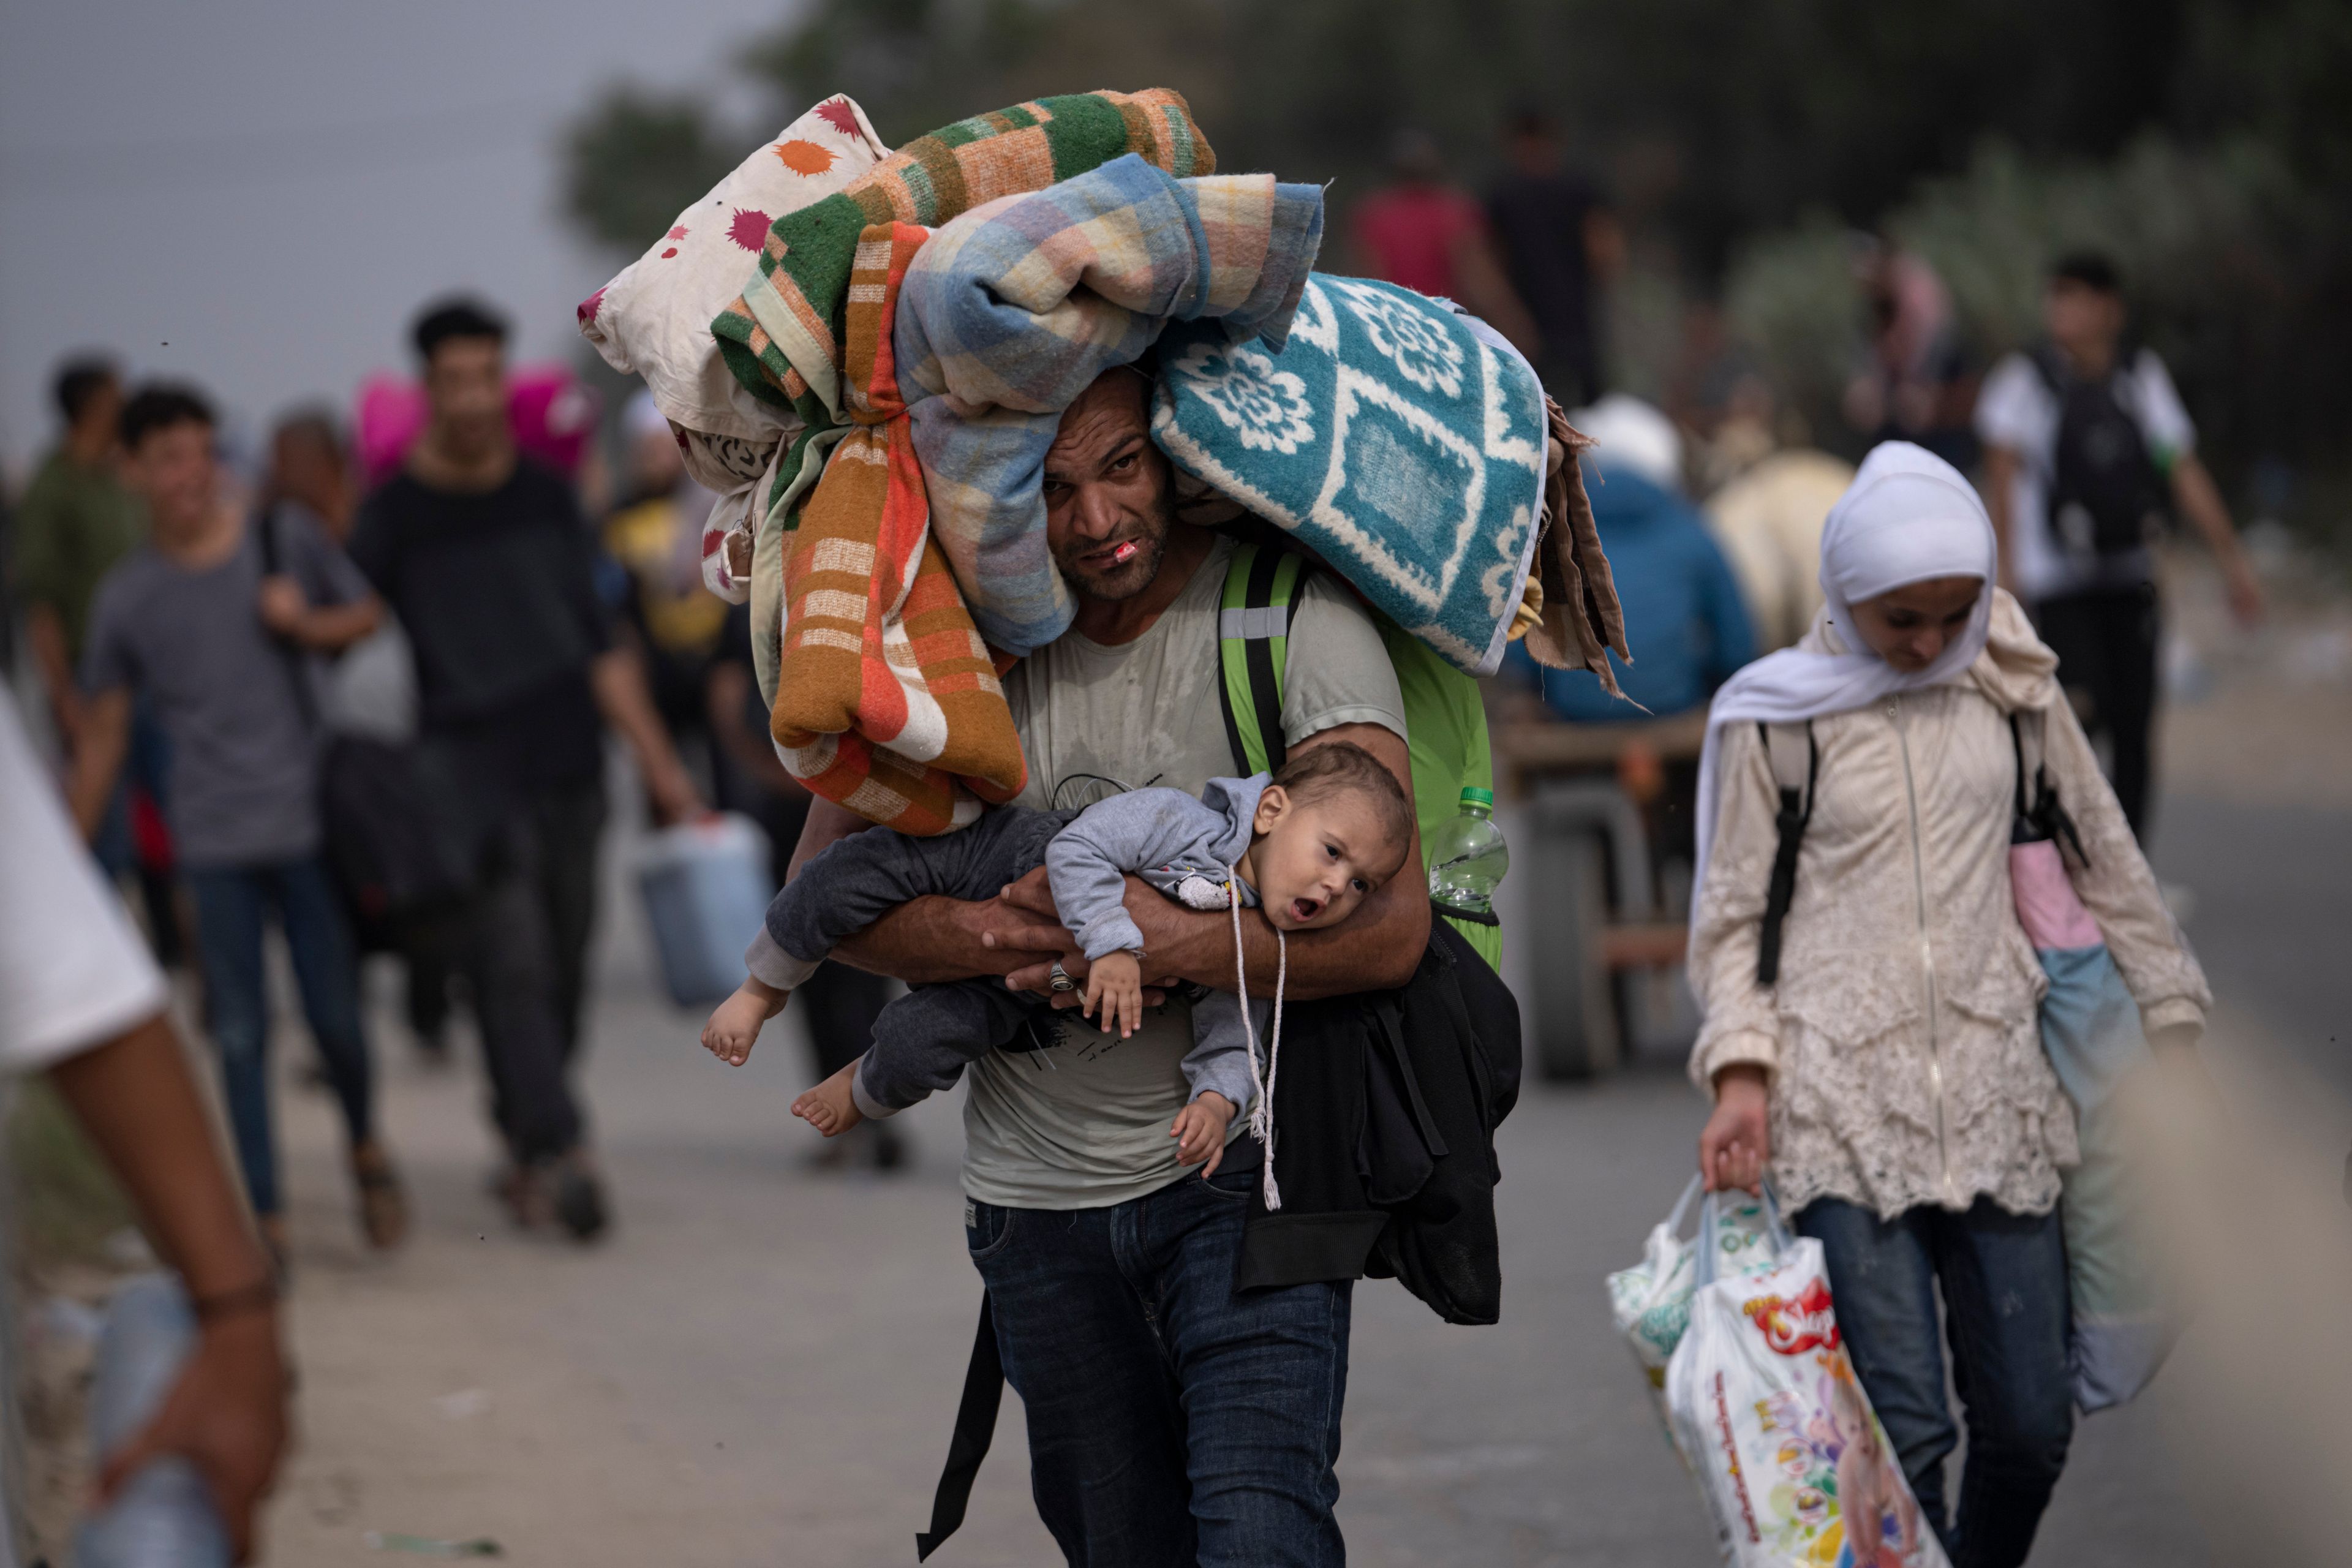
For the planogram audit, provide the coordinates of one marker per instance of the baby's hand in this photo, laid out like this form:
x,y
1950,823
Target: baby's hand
x,y
1200,1131
1115,985
734,1025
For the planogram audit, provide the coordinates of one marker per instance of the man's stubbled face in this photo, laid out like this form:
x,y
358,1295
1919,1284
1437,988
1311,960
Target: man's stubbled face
x,y
1108,506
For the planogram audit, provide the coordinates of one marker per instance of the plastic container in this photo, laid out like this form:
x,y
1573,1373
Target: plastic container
x,y
1467,855
165,1517
706,891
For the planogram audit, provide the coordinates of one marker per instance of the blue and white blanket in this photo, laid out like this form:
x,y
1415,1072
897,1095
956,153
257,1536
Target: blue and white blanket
x,y
1397,439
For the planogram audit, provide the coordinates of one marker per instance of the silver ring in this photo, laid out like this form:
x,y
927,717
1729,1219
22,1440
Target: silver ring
x,y
1061,981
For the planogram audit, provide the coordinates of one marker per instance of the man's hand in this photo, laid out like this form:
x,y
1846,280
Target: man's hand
x,y
281,604
226,1415
1030,902
1200,1131
1736,1145
1115,992
2245,591
670,792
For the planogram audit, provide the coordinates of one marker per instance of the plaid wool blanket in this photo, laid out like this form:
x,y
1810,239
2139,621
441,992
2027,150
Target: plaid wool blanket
x,y
783,338
1012,309
886,699
1402,442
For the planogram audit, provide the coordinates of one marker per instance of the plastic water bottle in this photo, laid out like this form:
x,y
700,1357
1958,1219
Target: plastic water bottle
x,y
1467,855
165,1517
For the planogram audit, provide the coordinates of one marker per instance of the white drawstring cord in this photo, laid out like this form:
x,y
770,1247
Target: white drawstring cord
x,y
1260,1087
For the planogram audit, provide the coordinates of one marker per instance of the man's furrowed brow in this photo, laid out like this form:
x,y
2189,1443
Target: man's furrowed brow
x,y
1089,454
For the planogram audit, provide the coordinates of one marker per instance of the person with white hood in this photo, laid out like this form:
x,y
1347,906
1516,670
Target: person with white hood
x,y
1872,1035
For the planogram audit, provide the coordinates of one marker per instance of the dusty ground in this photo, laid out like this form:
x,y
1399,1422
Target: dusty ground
x,y
762,1363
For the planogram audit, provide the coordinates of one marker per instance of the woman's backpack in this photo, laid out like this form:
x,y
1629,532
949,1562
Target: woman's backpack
x,y
2122,1324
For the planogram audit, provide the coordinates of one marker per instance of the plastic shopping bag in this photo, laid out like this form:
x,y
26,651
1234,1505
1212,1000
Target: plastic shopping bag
x,y
1651,1301
1766,1408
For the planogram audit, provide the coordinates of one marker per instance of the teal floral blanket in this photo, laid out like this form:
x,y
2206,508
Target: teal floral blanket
x,y
1399,438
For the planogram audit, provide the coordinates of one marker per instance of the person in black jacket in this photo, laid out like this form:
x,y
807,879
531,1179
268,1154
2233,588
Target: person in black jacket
x,y
488,561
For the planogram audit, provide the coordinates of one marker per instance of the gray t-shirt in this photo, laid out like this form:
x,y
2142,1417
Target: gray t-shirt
x,y
1085,1124
243,783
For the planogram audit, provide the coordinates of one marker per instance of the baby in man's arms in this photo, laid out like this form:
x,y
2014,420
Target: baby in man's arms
x,y
1305,846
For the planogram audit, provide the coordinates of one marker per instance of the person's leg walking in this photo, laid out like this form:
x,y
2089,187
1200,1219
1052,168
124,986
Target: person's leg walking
x,y
1264,1376
508,953
2005,1308
2134,639
326,972
569,828
1882,1279
1106,1428
229,913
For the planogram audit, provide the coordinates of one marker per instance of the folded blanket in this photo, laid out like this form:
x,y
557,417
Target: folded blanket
x,y
1391,436
782,338
886,699
1011,310
653,318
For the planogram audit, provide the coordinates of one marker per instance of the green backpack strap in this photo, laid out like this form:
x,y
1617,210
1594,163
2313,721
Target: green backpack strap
x,y
1263,587
1443,707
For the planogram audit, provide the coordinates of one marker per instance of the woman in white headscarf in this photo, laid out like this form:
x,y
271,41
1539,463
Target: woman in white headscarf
x,y
1887,1069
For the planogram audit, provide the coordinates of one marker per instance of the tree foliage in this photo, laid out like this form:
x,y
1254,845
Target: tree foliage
x,y
1726,127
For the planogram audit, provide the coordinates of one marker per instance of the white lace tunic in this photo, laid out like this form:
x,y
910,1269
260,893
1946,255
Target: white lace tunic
x,y
1903,1038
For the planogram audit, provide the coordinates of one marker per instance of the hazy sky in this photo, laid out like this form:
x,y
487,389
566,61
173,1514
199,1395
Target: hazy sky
x,y
270,188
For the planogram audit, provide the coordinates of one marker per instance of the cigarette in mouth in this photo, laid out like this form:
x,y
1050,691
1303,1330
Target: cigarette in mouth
x,y
1125,552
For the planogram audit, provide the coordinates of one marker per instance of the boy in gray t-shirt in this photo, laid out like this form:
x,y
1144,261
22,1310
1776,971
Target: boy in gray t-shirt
x,y
1305,846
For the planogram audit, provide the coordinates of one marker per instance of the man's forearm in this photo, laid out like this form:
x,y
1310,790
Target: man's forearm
x,y
47,633
135,1098
2201,499
98,756
1376,950
929,941
331,629
618,680
2001,473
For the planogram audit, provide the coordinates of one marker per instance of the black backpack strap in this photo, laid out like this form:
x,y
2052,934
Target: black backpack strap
x,y
975,1428
1795,812
2040,813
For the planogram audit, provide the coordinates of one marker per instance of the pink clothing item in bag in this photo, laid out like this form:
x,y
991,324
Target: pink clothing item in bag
x,y
2047,905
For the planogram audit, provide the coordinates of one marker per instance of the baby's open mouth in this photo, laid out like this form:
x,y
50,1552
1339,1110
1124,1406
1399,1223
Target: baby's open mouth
x,y
1304,909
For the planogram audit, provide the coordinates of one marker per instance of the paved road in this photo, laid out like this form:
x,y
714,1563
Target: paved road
x,y
761,1365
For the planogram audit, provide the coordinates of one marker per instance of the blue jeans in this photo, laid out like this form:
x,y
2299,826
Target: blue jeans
x,y
2003,1281
232,904
1172,1421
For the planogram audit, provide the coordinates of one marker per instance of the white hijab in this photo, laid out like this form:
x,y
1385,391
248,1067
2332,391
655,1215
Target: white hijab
x,y
1907,517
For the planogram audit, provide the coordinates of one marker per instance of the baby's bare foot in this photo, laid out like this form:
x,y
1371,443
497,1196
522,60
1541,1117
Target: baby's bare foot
x,y
734,1027
830,1107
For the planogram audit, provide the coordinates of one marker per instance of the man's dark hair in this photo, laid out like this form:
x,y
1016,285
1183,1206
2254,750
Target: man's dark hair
x,y
80,380
2091,270
455,317
160,406
1340,767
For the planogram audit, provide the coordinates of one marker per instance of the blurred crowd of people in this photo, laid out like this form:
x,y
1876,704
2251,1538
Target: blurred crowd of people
x,y
1711,509
361,692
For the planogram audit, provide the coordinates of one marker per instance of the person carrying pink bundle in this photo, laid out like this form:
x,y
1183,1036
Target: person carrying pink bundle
x,y
1873,1034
